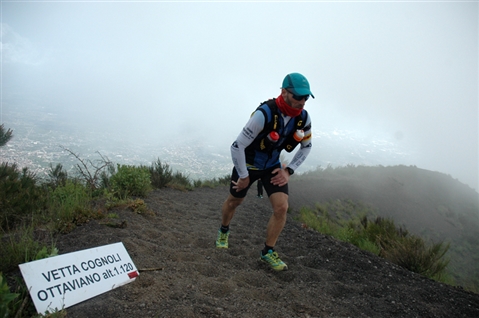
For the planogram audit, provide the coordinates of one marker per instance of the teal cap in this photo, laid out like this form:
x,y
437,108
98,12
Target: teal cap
x,y
297,84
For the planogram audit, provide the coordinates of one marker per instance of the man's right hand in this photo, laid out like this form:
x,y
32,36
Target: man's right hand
x,y
241,184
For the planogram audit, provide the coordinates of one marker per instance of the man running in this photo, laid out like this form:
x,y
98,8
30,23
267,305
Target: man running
x,y
276,125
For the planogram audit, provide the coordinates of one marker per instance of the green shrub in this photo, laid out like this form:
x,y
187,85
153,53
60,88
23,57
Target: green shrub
x,y
71,191
57,176
382,230
66,203
383,238
5,136
70,196
225,180
6,297
131,181
212,183
20,195
351,231
181,182
21,247
21,305
367,245
412,253
160,174
105,176
45,253
311,220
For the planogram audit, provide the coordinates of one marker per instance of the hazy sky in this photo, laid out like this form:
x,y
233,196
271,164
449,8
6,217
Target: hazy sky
x,y
408,70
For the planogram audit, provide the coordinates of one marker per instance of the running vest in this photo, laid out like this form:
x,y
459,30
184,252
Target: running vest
x,y
261,153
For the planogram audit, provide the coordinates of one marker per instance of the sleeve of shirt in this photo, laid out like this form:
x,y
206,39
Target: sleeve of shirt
x,y
250,131
305,147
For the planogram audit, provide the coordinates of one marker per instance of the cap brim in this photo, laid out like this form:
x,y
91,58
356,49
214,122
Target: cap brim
x,y
301,91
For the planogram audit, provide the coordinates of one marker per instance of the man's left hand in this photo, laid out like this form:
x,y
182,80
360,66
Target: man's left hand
x,y
281,178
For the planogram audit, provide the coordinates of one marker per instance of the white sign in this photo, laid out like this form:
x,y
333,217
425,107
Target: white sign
x,y
65,280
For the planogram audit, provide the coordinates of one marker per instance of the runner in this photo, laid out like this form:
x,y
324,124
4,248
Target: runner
x,y
276,125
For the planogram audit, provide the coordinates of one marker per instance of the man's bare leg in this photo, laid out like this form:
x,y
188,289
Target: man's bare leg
x,y
276,223
279,202
228,211
229,208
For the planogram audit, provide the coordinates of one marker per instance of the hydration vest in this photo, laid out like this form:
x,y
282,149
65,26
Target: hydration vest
x,y
261,152
275,122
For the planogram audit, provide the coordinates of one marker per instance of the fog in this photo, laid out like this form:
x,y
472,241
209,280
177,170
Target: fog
x,y
169,72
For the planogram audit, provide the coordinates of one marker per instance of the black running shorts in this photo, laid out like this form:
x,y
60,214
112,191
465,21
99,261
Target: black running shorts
x,y
264,175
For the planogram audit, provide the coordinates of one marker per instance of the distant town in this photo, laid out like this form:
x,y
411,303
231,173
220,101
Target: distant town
x,y
40,139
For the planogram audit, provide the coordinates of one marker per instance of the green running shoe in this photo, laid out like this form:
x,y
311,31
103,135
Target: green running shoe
x,y
222,239
274,261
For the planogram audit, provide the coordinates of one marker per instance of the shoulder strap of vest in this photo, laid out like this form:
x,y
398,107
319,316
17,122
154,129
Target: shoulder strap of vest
x,y
300,121
271,116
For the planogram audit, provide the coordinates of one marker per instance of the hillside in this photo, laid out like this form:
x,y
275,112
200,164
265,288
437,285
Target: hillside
x,y
430,204
194,279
